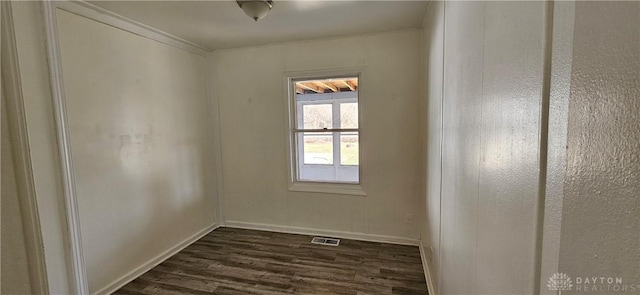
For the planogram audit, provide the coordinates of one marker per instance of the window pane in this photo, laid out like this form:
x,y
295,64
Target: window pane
x,y
349,115
324,155
317,148
317,116
349,148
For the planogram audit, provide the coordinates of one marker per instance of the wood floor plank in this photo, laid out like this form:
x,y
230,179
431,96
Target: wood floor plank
x,y
236,261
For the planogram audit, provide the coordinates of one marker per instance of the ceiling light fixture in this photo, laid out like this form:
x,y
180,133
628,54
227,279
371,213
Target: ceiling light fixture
x,y
256,9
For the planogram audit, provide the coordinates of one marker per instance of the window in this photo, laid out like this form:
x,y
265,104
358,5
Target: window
x,y
325,133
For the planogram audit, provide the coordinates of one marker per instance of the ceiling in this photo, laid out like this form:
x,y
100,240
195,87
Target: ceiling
x,y
222,24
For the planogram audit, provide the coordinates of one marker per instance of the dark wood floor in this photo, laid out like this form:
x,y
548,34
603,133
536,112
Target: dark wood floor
x,y
237,261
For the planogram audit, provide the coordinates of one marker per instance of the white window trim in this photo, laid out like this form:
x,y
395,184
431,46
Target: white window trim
x,y
328,188
355,189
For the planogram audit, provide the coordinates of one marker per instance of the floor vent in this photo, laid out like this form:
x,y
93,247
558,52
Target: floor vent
x,y
325,241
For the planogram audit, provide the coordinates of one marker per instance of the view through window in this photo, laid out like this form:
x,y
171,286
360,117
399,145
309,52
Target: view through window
x,y
326,134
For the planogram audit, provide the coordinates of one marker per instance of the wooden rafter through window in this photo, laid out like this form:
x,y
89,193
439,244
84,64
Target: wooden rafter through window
x,y
349,84
310,87
327,85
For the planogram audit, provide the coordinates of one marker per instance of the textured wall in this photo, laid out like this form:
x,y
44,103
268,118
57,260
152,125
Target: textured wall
x,y
139,125
601,208
252,97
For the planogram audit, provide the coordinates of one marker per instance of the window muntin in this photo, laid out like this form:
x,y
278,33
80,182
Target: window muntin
x,y
326,134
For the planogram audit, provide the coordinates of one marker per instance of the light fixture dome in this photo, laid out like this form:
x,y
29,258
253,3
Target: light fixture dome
x,y
255,9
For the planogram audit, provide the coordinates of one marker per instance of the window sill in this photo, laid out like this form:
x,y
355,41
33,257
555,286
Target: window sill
x,y
328,188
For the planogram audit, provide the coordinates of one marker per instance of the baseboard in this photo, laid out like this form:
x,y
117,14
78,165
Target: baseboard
x,y
323,232
427,270
119,283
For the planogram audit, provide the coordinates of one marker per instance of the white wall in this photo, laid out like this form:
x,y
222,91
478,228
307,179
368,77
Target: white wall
x,y
251,92
433,59
492,102
15,272
591,216
601,197
139,127
1,99
481,221
30,43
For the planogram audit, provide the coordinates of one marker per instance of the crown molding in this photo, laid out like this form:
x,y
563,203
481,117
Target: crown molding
x,y
107,17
